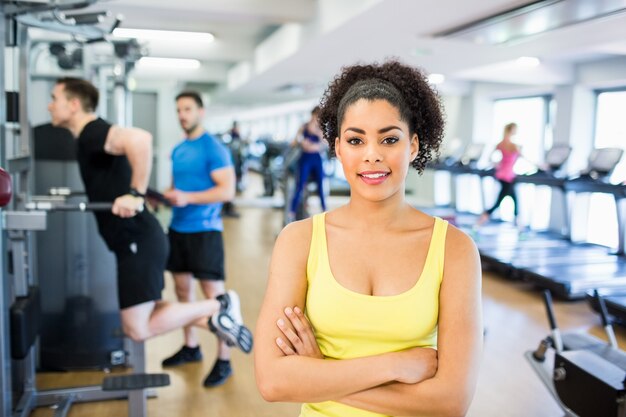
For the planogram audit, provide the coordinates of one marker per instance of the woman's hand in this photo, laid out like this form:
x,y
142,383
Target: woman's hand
x,y
415,365
299,338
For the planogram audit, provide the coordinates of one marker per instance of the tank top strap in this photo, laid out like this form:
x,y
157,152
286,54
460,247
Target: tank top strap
x,y
317,250
438,245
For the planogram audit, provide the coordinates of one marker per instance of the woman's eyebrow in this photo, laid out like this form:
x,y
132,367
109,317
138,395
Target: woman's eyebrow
x,y
362,132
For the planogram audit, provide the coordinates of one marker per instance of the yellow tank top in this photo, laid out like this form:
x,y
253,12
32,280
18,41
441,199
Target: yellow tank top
x,y
351,325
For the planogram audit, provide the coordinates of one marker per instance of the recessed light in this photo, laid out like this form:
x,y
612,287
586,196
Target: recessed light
x,y
164,35
178,63
527,61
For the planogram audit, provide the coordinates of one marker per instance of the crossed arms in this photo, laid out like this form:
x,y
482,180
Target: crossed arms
x,y
418,381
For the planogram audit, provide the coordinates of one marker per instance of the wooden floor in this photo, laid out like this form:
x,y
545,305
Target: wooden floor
x,y
514,318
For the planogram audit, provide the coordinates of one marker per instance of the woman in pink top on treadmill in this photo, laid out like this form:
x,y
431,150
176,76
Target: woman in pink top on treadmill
x,y
504,171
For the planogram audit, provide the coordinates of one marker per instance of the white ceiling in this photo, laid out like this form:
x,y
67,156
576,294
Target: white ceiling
x,y
320,36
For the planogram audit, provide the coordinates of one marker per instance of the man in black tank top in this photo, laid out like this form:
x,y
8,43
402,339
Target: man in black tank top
x,y
115,164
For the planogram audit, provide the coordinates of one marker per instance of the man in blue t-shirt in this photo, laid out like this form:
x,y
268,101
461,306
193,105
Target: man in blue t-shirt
x,y
203,178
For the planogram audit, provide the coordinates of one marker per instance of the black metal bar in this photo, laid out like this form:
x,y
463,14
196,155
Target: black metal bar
x,y
606,322
602,307
547,298
556,334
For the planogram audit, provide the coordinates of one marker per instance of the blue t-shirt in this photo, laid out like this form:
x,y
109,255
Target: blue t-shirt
x,y
193,160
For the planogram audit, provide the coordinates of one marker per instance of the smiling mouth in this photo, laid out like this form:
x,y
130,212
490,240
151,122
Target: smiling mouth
x,y
375,176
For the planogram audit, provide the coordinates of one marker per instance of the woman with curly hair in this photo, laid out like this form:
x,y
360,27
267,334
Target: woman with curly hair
x,y
373,309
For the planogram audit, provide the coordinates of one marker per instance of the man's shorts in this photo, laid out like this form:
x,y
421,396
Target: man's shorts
x,y
141,264
201,254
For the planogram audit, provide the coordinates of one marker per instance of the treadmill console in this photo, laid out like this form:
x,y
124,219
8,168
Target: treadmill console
x,y
602,161
472,153
557,156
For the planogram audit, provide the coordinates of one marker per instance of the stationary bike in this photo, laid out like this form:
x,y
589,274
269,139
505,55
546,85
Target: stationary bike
x,y
588,376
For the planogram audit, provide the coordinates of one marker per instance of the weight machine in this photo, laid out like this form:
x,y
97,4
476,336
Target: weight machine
x,y
22,214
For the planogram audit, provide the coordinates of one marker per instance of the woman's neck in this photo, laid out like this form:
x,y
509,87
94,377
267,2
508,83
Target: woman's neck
x,y
376,215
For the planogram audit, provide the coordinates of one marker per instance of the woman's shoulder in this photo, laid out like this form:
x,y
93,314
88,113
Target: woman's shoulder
x,y
454,236
460,247
296,232
508,147
458,237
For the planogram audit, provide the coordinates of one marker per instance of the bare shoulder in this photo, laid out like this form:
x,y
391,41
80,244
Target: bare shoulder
x,y
458,237
295,238
290,256
460,249
297,230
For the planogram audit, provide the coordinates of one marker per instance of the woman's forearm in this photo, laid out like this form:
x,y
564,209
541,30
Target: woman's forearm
x,y
303,379
433,397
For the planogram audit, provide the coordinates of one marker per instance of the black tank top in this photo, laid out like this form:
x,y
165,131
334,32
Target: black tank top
x,y
107,177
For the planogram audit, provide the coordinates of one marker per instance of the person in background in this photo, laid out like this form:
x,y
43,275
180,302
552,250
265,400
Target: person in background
x,y
203,177
504,173
236,148
115,164
310,163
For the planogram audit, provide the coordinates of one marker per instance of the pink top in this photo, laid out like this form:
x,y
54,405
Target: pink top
x,y
504,170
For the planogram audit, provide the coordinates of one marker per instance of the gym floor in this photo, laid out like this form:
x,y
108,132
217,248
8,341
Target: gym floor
x,y
514,317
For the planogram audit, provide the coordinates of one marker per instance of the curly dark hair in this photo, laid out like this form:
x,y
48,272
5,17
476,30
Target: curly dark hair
x,y
405,87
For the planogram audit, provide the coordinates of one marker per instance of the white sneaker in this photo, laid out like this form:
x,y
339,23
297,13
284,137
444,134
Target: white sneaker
x,y
228,325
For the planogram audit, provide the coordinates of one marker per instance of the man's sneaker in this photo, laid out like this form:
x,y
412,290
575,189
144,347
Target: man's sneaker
x,y
227,324
184,355
219,374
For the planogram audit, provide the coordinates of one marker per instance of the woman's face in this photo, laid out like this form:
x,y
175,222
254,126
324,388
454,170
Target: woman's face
x,y
375,149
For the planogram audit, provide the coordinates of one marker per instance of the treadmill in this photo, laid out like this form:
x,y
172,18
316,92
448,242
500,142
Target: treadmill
x,y
554,249
501,249
579,272
461,165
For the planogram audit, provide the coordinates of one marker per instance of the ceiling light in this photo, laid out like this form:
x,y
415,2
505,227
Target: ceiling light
x,y
164,35
436,78
532,18
178,63
527,61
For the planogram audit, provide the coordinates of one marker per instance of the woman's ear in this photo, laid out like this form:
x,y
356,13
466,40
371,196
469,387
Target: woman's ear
x,y
415,147
337,153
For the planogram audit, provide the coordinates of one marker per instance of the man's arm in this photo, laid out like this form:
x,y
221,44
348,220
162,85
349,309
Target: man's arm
x,y
136,144
223,190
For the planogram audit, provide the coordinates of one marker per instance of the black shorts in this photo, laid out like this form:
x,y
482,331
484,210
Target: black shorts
x,y
141,265
201,254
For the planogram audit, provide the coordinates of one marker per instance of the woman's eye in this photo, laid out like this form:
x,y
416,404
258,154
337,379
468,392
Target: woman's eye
x,y
390,140
354,141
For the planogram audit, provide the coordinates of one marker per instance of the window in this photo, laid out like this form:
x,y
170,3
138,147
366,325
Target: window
x,y
610,127
610,131
531,115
